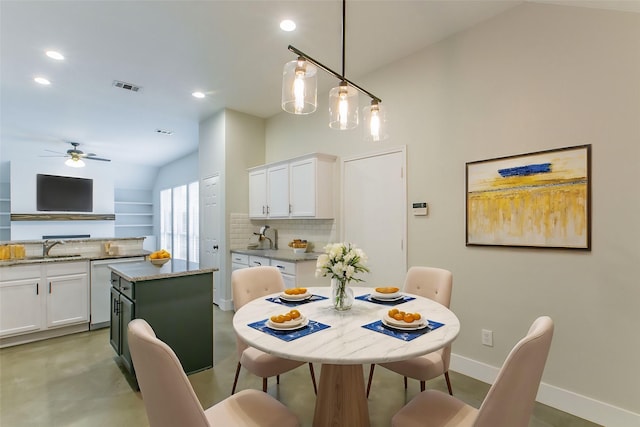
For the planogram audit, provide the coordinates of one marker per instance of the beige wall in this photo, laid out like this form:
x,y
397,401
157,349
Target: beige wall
x,y
537,77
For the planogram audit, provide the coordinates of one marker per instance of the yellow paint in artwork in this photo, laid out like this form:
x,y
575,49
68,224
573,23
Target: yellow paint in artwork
x,y
556,213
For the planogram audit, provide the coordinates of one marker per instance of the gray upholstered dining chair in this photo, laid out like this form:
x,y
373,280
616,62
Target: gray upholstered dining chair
x,y
435,284
248,284
170,401
510,399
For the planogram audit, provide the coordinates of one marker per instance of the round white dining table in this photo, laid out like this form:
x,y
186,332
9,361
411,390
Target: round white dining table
x,y
345,346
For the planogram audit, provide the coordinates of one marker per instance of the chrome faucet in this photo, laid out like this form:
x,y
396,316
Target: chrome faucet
x,y
48,244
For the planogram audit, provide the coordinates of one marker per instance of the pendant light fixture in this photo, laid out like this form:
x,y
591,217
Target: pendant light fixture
x,y
299,93
74,162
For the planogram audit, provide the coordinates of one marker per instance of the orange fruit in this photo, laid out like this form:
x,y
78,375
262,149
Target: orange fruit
x,y
417,316
294,314
274,318
392,312
398,316
287,317
279,318
408,318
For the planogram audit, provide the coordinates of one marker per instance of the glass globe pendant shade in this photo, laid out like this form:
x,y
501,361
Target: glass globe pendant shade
x,y
74,162
375,122
299,87
343,107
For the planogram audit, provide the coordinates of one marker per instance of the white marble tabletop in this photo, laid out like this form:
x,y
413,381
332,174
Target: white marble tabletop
x,y
346,342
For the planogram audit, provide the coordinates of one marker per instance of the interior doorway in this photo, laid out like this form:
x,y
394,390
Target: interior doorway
x,y
374,202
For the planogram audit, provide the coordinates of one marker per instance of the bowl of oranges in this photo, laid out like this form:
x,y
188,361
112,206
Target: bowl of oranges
x,y
295,294
403,320
292,319
160,257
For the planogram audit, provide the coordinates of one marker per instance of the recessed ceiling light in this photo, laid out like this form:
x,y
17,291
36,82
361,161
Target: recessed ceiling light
x,y
54,55
287,25
42,81
198,95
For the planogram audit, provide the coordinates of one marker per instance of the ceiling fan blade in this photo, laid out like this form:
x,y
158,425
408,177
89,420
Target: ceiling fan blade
x,y
57,152
98,158
55,156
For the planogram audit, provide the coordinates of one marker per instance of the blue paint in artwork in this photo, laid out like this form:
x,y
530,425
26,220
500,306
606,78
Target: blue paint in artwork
x,y
525,170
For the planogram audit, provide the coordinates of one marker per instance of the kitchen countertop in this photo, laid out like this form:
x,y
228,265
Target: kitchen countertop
x,y
144,270
281,254
63,258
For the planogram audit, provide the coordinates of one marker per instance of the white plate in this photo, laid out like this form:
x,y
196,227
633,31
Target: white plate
x,y
390,321
288,326
299,297
396,298
380,295
405,328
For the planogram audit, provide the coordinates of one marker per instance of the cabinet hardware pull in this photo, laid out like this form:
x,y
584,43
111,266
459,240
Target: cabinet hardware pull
x,y
37,288
281,267
263,210
290,208
257,263
49,287
124,288
267,209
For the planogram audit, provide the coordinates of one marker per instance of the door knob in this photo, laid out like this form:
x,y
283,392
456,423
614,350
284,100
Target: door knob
x,y
215,247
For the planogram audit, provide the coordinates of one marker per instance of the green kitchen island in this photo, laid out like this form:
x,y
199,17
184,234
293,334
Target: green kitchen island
x,y
176,299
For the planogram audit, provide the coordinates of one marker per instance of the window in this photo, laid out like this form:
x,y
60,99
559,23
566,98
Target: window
x,y
179,221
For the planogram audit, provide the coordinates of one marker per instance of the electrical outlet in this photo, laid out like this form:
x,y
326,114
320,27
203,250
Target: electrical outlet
x,y
487,337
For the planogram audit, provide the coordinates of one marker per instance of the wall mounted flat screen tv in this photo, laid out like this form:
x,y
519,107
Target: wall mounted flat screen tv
x,y
64,193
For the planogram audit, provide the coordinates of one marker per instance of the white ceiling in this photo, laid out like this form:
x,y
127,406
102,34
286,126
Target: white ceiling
x,y
232,50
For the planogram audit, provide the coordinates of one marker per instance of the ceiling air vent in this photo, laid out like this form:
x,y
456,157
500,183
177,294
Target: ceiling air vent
x,y
127,86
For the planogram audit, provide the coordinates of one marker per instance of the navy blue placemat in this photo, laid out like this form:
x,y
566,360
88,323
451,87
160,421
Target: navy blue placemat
x,y
312,327
378,326
288,303
368,298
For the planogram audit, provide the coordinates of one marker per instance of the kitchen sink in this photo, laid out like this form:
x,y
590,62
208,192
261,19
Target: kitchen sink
x,y
52,257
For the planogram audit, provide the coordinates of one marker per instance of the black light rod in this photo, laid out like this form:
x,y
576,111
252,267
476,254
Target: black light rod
x,y
330,71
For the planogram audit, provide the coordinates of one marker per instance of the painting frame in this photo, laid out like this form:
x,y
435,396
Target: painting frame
x,y
540,199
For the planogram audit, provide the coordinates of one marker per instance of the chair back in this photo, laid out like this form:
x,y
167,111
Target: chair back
x,y
512,396
248,284
167,394
430,282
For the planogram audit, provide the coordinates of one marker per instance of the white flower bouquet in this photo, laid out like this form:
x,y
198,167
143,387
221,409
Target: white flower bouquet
x,y
341,261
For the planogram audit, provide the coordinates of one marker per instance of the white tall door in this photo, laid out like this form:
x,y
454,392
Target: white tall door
x,y
210,228
374,213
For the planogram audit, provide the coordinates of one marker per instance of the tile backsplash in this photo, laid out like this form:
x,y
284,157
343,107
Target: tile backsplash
x,y
318,232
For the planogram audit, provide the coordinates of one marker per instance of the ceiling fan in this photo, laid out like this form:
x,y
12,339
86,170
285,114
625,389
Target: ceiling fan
x,y
75,156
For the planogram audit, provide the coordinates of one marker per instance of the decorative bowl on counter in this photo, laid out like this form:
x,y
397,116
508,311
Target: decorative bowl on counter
x,y
299,246
160,261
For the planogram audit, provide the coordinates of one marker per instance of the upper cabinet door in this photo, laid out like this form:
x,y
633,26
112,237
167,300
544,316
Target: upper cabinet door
x,y
258,193
303,188
278,191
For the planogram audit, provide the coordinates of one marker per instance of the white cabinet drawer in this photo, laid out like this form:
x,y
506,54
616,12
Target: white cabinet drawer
x,y
20,272
66,268
237,258
285,267
257,261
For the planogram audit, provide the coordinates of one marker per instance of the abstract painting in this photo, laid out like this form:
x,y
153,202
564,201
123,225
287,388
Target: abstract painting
x,y
540,199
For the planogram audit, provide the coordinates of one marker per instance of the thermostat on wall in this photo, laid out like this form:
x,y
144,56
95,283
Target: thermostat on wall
x,y
420,208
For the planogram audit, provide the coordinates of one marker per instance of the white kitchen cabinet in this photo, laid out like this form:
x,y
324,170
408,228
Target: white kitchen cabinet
x,y
311,187
298,188
42,297
294,273
20,302
269,192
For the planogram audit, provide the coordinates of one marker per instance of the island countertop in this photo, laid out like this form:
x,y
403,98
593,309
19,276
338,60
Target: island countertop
x,y
144,270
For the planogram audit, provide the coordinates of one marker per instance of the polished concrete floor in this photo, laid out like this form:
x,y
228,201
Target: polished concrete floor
x,y
74,381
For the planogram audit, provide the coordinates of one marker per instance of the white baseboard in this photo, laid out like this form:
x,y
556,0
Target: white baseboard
x,y
564,400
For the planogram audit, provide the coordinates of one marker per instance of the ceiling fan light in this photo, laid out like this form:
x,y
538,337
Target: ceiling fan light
x,y
299,87
343,107
74,162
375,122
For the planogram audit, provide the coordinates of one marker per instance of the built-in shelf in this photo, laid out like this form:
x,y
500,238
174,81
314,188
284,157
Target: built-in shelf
x,y
134,213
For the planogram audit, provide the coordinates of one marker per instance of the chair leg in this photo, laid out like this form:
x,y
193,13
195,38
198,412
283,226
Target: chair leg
x,y
405,383
446,377
277,379
373,366
264,385
313,379
235,380
423,385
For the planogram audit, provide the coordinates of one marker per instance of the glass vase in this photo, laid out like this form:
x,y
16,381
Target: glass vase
x,y
341,295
